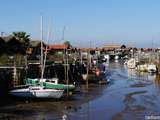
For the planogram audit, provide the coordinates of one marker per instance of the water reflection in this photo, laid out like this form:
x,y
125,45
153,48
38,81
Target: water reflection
x,y
147,78
157,81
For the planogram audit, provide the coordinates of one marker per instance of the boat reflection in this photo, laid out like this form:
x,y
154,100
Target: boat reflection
x,y
157,81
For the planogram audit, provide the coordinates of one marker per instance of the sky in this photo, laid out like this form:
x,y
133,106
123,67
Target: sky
x,y
88,23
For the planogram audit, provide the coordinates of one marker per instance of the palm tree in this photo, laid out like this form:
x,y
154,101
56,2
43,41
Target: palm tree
x,y
24,39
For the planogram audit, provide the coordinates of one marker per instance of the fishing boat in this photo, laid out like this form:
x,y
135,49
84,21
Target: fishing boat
x,y
51,83
37,92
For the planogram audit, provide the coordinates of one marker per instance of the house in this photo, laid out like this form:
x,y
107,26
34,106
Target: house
x,y
111,47
58,48
34,49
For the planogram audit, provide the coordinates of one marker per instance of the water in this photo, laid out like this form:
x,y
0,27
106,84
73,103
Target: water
x,y
130,95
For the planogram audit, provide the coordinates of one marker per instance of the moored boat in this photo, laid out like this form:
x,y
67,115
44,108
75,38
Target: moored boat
x,y
37,92
50,84
131,64
152,68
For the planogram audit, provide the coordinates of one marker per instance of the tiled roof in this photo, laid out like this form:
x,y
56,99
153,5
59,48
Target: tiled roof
x,y
58,46
86,49
112,46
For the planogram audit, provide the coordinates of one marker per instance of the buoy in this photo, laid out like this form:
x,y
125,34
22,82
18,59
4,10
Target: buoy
x,y
97,72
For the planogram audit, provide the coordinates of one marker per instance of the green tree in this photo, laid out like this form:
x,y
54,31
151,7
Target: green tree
x,y
67,42
24,39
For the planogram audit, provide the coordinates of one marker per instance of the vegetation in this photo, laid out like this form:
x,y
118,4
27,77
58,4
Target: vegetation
x,y
24,39
17,43
123,47
67,43
13,48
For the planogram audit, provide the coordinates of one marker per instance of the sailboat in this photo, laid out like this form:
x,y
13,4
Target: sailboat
x,y
49,83
38,91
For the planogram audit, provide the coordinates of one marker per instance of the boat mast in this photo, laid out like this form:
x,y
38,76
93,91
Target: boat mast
x,y
41,24
45,57
64,56
65,62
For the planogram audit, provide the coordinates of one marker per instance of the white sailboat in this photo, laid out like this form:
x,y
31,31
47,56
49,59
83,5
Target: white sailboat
x,y
38,91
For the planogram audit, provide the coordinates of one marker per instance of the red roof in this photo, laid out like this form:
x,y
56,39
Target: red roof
x,y
58,46
111,47
87,49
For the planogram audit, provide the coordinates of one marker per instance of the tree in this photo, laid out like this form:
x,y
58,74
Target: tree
x,y
67,43
13,46
123,47
24,39
2,46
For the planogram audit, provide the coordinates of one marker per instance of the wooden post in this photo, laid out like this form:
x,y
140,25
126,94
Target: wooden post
x,y
15,80
67,69
87,70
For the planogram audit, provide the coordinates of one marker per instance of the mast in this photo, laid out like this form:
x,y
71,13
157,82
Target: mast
x,y
41,24
88,63
45,57
66,69
64,56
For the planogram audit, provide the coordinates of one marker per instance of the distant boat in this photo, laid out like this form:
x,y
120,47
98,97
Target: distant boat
x,y
116,57
131,64
37,92
107,57
152,68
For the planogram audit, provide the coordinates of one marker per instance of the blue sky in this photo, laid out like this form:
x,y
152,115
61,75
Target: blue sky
x,y
131,22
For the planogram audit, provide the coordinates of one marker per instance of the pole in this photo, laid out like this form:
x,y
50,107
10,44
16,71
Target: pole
x,y
64,55
41,24
67,69
87,71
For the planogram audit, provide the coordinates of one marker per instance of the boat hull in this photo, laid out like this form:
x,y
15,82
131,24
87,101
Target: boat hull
x,y
47,93
41,93
21,93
